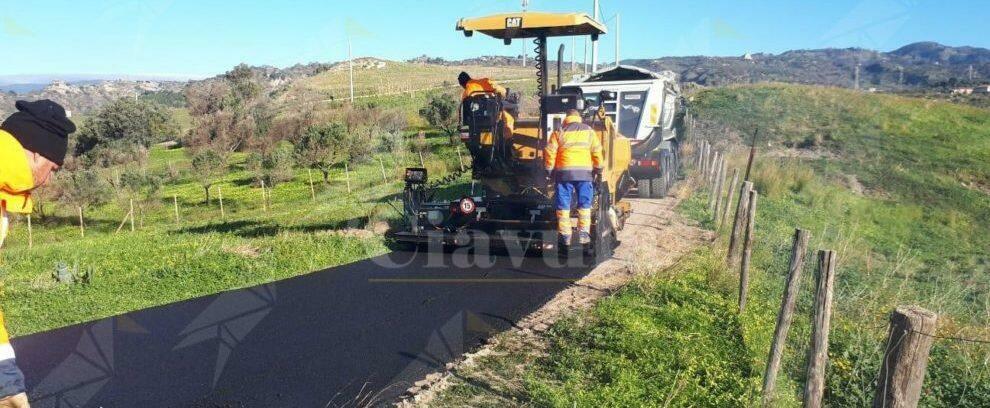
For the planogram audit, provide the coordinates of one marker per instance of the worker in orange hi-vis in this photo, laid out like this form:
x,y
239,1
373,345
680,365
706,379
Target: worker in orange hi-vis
x,y
474,86
33,143
573,159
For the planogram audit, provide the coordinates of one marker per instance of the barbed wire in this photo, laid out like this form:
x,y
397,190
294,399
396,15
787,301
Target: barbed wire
x,y
962,339
936,336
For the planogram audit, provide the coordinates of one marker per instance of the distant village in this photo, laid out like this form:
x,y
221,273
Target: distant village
x,y
979,90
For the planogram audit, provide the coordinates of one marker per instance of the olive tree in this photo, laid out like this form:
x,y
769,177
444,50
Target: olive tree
x,y
440,112
208,165
321,147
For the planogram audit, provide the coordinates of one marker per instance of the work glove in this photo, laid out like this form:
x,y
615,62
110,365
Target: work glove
x,y
596,174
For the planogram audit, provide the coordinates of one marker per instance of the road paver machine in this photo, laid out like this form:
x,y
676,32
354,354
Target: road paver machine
x,y
514,207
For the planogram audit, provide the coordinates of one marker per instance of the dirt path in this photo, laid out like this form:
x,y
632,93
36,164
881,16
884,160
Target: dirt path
x,y
654,237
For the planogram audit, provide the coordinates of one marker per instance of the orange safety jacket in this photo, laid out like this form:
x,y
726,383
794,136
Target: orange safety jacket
x,y
485,85
482,85
573,151
16,183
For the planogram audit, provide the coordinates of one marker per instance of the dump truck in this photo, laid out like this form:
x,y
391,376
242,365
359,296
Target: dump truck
x,y
649,109
514,207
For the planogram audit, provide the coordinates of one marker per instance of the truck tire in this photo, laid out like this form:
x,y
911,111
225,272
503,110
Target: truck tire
x,y
658,186
604,237
643,187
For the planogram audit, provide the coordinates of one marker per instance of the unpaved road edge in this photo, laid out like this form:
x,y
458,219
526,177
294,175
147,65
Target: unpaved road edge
x,y
654,238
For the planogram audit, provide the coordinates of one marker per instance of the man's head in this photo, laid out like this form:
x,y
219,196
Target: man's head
x,y
463,79
573,116
43,129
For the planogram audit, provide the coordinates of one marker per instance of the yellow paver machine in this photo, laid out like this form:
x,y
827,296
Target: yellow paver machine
x,y
514,206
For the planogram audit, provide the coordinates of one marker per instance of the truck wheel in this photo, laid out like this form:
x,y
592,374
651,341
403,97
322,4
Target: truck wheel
x,y
643,187
658,186
604,241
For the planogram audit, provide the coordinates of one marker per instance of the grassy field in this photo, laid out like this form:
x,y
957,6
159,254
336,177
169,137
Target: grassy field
x,y
895,185
387,83
165,261
900,191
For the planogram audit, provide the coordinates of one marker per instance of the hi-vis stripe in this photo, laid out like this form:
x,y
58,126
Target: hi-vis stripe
x,y
6,352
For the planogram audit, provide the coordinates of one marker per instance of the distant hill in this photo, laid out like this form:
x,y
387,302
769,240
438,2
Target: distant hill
x,y
83,96
914,66
918,65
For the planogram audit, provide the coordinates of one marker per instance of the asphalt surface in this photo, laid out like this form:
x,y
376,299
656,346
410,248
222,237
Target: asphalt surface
x,y
357,334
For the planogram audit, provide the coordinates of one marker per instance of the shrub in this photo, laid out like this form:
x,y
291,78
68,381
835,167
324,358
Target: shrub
x,y
122,131
441,112
273,166
321,147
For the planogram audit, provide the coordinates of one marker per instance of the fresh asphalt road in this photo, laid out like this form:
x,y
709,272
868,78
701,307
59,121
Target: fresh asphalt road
x,y
357,334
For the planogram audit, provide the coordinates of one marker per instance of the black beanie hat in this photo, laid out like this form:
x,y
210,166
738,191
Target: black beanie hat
x,y
463,78
41,127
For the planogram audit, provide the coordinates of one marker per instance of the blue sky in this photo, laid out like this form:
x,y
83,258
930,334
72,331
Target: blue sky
x,y
201,38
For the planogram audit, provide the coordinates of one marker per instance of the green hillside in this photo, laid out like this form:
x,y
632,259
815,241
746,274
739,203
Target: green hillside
x,y
897,186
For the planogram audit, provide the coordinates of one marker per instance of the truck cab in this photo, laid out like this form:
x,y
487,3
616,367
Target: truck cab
x,y
647,110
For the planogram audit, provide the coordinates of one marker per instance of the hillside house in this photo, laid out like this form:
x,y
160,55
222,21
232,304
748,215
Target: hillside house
x,y
982,89
962,91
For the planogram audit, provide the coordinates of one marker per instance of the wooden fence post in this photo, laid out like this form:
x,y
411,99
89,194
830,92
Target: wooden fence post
x,y
460,160
223,216
704,160
82,225
714,168
902,372
347,178
728,199
132,214
711,193
312,190
382,164
752,154
30,233
814,388
264,197
741,206
422,163
175,205
747,250
717,192
700,147
786,314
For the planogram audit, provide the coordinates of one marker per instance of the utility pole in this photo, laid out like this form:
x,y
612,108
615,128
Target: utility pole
x,y
856,77
524,53
900,75
618,37
573,48
970,73
585,65
594,44
350,64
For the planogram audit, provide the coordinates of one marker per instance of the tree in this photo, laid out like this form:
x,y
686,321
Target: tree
x,y
272,166
230,113
207,165
320,147
83,188
140,185
441,112
122,132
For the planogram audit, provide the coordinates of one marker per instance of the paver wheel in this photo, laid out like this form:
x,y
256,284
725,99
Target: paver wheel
x,y
658,186
643,187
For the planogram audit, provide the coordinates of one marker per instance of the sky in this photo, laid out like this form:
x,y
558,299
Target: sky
x,y
193,39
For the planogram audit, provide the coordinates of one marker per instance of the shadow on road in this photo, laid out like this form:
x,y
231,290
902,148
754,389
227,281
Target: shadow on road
x,y
369,328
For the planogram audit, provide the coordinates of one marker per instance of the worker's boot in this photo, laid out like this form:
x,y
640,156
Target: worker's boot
x,y
584,238
565,240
